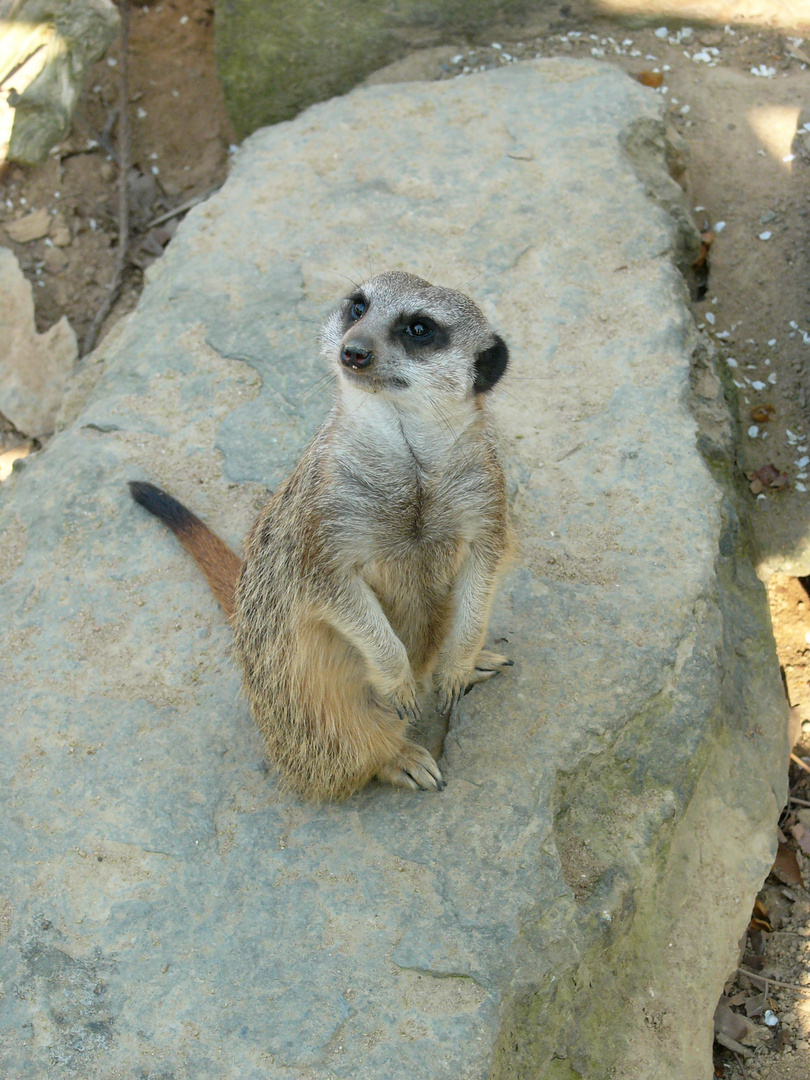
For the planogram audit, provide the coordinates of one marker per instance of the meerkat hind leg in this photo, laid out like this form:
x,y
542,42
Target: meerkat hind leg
x,y
487,665
412,767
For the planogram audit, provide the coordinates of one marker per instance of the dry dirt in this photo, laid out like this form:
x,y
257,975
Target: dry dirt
x,y
734,90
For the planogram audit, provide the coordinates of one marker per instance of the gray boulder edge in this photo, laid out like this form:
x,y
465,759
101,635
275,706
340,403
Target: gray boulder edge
x,y
168,908
275,59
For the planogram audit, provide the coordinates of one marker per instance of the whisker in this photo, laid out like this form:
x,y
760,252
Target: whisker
x,y
444,420
516,400
354,284
316,387
468,281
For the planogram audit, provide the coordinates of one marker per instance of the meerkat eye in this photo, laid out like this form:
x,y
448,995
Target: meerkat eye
x,y
357,309
419,328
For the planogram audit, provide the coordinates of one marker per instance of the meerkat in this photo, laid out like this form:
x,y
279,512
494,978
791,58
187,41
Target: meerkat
x,y
371,570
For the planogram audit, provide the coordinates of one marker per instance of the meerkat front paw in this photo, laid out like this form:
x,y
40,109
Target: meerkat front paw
x,y
406,703
413,767
452,687
450,692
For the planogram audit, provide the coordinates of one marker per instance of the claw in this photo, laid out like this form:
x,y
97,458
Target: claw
x,y
413,767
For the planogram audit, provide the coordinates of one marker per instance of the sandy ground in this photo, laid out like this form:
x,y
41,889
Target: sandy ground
x,y
736,83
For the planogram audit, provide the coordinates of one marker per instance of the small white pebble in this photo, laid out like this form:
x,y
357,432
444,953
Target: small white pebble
x,y
731,361
720,225
495,45
764,72
758,385
753,431
457,59
141,113
183,20
800,486
721,335
111,61
765,235
772,342
772,378
788,157
662,32
710,318
803,462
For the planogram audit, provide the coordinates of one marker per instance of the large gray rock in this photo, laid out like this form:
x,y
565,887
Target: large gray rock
x,y
570,904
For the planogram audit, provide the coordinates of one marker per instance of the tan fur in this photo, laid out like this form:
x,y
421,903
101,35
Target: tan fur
x,y
371,570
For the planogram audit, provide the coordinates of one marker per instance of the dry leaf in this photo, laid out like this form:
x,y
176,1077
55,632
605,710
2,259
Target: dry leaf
x,y
731,1024
766,477
653,79
786,867
706,241
32,227
763,413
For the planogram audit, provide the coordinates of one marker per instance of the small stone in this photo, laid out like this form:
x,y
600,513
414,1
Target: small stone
x,y
769,215
31,227
711,37
55,260
107,171
59,231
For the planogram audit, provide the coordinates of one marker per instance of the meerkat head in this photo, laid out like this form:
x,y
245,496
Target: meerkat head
x,y
400,336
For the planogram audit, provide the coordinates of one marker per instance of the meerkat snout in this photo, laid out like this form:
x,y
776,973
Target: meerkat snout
x,y
356,355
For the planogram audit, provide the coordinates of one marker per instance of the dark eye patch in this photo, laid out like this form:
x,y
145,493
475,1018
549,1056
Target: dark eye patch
x,y
418,331
355,308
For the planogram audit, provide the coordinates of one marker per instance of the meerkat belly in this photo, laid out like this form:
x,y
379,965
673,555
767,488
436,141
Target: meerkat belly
x,y
415,590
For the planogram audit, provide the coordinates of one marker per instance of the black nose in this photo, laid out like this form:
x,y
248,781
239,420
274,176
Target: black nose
x,y
356,356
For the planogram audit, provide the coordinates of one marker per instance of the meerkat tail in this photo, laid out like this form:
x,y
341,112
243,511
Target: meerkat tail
x,y
220,565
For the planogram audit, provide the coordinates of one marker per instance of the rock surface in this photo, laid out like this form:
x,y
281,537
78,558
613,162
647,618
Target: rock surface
x,y
34,368
46,48
570,904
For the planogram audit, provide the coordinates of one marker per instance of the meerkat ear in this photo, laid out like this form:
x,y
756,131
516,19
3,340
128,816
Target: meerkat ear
x,y
490,365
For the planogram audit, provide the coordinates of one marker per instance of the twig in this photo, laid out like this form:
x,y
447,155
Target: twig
x,y
123,199
798,761
799,802
181,209
732,1045
773,982
740,1059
